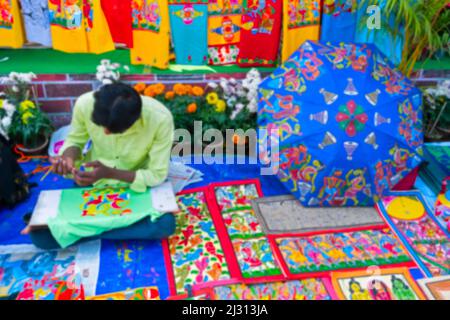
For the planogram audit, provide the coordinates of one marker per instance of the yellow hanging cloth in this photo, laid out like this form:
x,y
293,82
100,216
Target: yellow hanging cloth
x,y
79,26
11,27
97,30
301,22
151,32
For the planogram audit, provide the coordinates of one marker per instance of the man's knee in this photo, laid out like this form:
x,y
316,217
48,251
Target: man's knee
x,y
167,224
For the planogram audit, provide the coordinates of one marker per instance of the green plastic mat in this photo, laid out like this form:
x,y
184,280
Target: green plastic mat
x,y
48,61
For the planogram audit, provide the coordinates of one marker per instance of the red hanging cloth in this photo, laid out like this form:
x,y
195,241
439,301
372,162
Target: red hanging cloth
x,y
260,33
119,17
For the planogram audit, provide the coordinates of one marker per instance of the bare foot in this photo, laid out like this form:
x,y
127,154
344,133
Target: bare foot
x,y
26,230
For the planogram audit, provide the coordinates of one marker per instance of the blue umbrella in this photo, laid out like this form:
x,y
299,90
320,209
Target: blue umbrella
x,y
348,124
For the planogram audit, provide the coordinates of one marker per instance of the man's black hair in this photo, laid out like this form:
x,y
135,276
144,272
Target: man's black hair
x,y
117,107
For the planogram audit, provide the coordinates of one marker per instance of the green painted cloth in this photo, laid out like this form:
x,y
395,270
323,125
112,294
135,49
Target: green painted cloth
x,y
89,212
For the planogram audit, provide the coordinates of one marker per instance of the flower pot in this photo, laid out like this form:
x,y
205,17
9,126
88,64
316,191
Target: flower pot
x,y
40,149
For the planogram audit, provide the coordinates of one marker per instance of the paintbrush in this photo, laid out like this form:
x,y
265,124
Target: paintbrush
x,y
47,173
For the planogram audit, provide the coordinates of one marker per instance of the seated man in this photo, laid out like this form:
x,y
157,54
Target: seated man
x,y
131,143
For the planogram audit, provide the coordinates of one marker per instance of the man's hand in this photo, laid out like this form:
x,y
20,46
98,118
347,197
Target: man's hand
x,y
62,165
100,171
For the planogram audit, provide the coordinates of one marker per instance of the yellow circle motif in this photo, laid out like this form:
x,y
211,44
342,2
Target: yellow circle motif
x,y
405,208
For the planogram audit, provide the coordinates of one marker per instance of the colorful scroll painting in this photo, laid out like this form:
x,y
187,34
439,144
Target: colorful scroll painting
x,y
151,33
224,31
442,207
11,30
305,289
79,26
251,247
333,251
301,22
261,24
195,251
25,264
147,293
437,288
383,284
188,21
422,235
339,22
51,289
119,14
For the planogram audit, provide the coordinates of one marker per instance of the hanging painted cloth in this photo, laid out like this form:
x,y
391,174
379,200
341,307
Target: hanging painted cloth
x,y
224,31
386,43
301,22
188,21
79,26
260,33
339,21
88,212
36,20
118,15
11,29
151,33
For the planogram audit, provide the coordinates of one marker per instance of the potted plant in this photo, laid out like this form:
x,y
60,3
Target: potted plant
x,y
22,120
437,112
30,128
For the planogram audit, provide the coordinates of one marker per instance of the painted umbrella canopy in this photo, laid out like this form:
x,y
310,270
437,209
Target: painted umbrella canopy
x,y
346,124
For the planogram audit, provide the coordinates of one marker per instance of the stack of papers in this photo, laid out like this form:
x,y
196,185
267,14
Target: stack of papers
x,y
181,175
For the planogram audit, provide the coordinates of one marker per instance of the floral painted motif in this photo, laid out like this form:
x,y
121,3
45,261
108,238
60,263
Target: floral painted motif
x,y
196,253
342,188
147,293
391,171
259,17
18,268
146,15
70,14
341,250
252,248
222,54
336,7
105,201
349,55
385,284
410,127
6,16
303,13
394,81
236,197
305,289
188,14
255,258
352,118
50,288
242,224
413,222
228,30
217,7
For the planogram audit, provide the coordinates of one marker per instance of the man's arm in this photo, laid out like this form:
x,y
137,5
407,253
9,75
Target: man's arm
x,y
75,141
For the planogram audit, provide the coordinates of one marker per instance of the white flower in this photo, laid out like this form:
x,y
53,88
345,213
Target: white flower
x,y
239,106
212,85
6,122
105,62
127,68
101,68
15,88
107,81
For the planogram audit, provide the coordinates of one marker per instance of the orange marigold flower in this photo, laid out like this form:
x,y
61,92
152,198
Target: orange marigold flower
x,y
191,108
179,89
149,91
188,89
237,139
159,88
198,91
170,95
140,87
